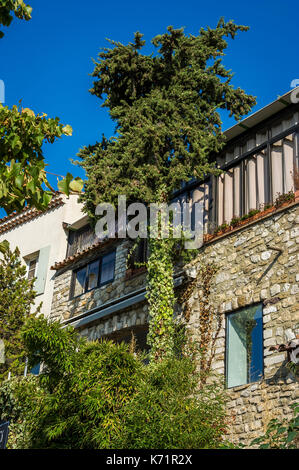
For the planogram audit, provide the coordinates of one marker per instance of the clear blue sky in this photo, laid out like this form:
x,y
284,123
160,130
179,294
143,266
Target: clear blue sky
x,y
46,62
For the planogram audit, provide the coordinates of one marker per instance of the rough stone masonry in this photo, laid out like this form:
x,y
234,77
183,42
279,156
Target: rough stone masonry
x,y
257,263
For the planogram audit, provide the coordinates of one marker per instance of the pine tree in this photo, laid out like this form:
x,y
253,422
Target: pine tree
x,y
166,109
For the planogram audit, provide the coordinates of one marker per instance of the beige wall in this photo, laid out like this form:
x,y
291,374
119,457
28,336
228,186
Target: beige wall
x,y
43,231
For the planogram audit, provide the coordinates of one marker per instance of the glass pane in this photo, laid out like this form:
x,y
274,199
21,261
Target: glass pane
x,y
107,268
32,268
93,274
80,281
277,167
35,369
244,352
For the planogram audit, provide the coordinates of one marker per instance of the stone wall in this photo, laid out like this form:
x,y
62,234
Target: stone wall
x,y
250,271
64,308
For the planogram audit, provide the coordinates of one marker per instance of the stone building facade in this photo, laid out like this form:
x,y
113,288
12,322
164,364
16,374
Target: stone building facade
x,y
251,234
257,264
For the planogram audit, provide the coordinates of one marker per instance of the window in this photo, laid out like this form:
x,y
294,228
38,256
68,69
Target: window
x,y
38,267
31,267
139,255
244,346
257,180
80,239
35,369
94,274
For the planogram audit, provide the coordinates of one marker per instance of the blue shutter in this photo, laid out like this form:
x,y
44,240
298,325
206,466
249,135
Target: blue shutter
x,y
42,269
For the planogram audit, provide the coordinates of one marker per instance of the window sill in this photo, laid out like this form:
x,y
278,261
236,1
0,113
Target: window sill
x,y
239,388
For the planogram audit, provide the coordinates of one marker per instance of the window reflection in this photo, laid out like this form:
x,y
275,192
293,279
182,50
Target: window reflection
x,y
244,346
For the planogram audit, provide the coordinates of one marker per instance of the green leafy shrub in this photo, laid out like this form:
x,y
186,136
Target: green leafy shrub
x,y
16,301
94,395
170,411
235,221
282,198
281,434
253,212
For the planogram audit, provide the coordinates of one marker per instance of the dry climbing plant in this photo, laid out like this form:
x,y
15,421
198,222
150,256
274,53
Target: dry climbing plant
x,y
210,320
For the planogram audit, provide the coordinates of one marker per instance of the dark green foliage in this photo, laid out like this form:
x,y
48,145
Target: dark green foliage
x,y
18,398
10,7
281,434
170,412
102,395
16,299
165,106
166,109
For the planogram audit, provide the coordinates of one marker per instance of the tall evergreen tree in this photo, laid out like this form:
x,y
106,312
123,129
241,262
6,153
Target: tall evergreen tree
x,y
166,109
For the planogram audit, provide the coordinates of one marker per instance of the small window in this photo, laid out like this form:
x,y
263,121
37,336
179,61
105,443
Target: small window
x,y
94,274
244,346
35,369
32,262
80,239
80,281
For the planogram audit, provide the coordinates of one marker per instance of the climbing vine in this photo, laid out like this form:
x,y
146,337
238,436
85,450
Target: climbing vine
x,y
161,298
210,320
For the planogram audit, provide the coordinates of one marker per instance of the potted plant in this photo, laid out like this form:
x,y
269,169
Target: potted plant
x,y
266,209
254,214
283,200
235,221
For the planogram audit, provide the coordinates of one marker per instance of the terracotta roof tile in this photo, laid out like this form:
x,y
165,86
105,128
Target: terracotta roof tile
x,y
80,254
17,218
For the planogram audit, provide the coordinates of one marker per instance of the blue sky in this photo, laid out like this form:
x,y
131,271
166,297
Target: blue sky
x,y
46,62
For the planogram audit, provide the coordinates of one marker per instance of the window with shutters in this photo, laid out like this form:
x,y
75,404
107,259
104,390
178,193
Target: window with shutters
x,y
94,274
37,267
32,262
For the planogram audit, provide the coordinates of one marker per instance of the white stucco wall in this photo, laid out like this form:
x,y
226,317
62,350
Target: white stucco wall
x,y
45,230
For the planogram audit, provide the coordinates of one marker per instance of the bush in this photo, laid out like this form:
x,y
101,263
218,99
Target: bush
x,y
16,301
102,395
170,411
281,434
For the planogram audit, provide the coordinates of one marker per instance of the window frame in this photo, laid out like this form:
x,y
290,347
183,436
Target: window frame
x,y
256,304
75,239
99,283
28,259
264,128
